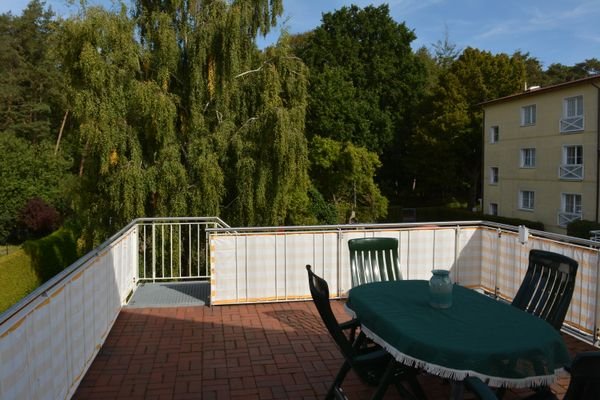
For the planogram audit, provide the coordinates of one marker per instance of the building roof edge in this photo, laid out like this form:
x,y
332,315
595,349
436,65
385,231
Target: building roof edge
x,y
535,90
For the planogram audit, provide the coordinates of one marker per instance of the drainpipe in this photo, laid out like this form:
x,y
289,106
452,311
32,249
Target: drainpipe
x,y
597,151
482,183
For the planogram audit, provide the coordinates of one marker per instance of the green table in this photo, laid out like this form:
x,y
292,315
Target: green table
x,y
477,336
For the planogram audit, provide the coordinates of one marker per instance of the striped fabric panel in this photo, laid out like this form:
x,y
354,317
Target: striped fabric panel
x,y
46,349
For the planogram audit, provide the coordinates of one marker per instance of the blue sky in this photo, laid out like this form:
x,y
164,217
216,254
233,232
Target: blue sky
x,y
554,31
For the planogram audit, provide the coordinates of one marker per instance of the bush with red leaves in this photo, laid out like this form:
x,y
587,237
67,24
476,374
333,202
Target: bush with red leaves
x,y
39,218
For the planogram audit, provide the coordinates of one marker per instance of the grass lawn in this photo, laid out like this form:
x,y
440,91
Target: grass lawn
x,y
17,276
6,249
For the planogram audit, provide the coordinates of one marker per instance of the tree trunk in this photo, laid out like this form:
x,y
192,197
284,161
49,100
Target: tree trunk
x,y
60,132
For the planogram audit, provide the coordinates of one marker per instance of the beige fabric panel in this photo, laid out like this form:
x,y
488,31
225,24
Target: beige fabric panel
x,y
47,347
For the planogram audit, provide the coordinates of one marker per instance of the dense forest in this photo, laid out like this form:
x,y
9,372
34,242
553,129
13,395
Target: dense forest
x,y
169,108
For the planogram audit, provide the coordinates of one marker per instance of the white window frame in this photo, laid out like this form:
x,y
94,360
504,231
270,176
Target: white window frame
x,y
572,119
526,200
494,134
528,157
572,163
569,203
528,115
493,209
570,208
494,173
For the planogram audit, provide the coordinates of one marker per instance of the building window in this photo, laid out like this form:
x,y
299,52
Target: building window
x,y
494,134
572,120
571,203
528,115
526,199
572,163
570,209
527,158
493,209
494,175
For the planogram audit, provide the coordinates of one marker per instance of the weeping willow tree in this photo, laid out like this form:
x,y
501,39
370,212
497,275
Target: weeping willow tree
x,y
178,113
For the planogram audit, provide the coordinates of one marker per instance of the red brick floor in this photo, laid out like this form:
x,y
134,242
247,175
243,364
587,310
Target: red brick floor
x,y
265,351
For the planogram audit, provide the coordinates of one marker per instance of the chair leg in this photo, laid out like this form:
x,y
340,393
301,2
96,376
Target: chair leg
x,y
385,381
415,386
333,391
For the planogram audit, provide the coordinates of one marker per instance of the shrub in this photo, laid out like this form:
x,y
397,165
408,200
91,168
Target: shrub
x,y
582,228
38,218
53,253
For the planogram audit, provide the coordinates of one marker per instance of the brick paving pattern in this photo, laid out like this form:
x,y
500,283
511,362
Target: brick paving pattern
x,y
264,351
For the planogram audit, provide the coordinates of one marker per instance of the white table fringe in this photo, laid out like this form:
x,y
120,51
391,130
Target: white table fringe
x,y
459,375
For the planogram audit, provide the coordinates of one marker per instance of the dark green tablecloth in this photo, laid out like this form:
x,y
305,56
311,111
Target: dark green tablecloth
x,y
477,336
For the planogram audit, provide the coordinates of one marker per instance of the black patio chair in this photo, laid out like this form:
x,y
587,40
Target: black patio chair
x,y
373,365
584,385
547,287
374,260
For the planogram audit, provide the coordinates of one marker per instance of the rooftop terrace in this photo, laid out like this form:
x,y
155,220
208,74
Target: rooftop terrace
x,y
87,334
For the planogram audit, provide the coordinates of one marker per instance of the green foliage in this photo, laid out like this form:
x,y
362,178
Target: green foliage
x,y
346,174
450,125
559,73
582,228
325,213
18,278
26,171
30,84
364,77
52,254
178,113
364,85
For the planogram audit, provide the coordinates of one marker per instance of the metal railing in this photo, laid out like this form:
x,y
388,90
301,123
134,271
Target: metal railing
x,y
175,248
565,218
571,124
570,172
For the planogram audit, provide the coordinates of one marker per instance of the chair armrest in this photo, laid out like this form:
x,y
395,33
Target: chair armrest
x,y
351,324
372,355
481,390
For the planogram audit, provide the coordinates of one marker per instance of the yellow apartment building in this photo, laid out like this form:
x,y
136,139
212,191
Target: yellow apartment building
x,y
541,154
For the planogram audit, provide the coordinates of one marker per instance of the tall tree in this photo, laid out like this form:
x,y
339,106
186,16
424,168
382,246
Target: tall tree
x,y
31,101
364,83
452,125
30,82
180,114
559,73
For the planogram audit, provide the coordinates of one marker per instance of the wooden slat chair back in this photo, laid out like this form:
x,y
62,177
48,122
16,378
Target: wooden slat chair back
x,y
547,287
374,260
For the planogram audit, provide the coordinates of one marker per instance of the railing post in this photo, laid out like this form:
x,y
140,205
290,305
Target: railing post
x,y
456,250
153,252
339,262
498,246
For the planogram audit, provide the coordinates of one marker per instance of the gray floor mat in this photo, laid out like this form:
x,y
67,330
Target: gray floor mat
x,y
171,294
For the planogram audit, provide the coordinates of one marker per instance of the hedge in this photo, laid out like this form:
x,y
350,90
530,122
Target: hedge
x,y
582,228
